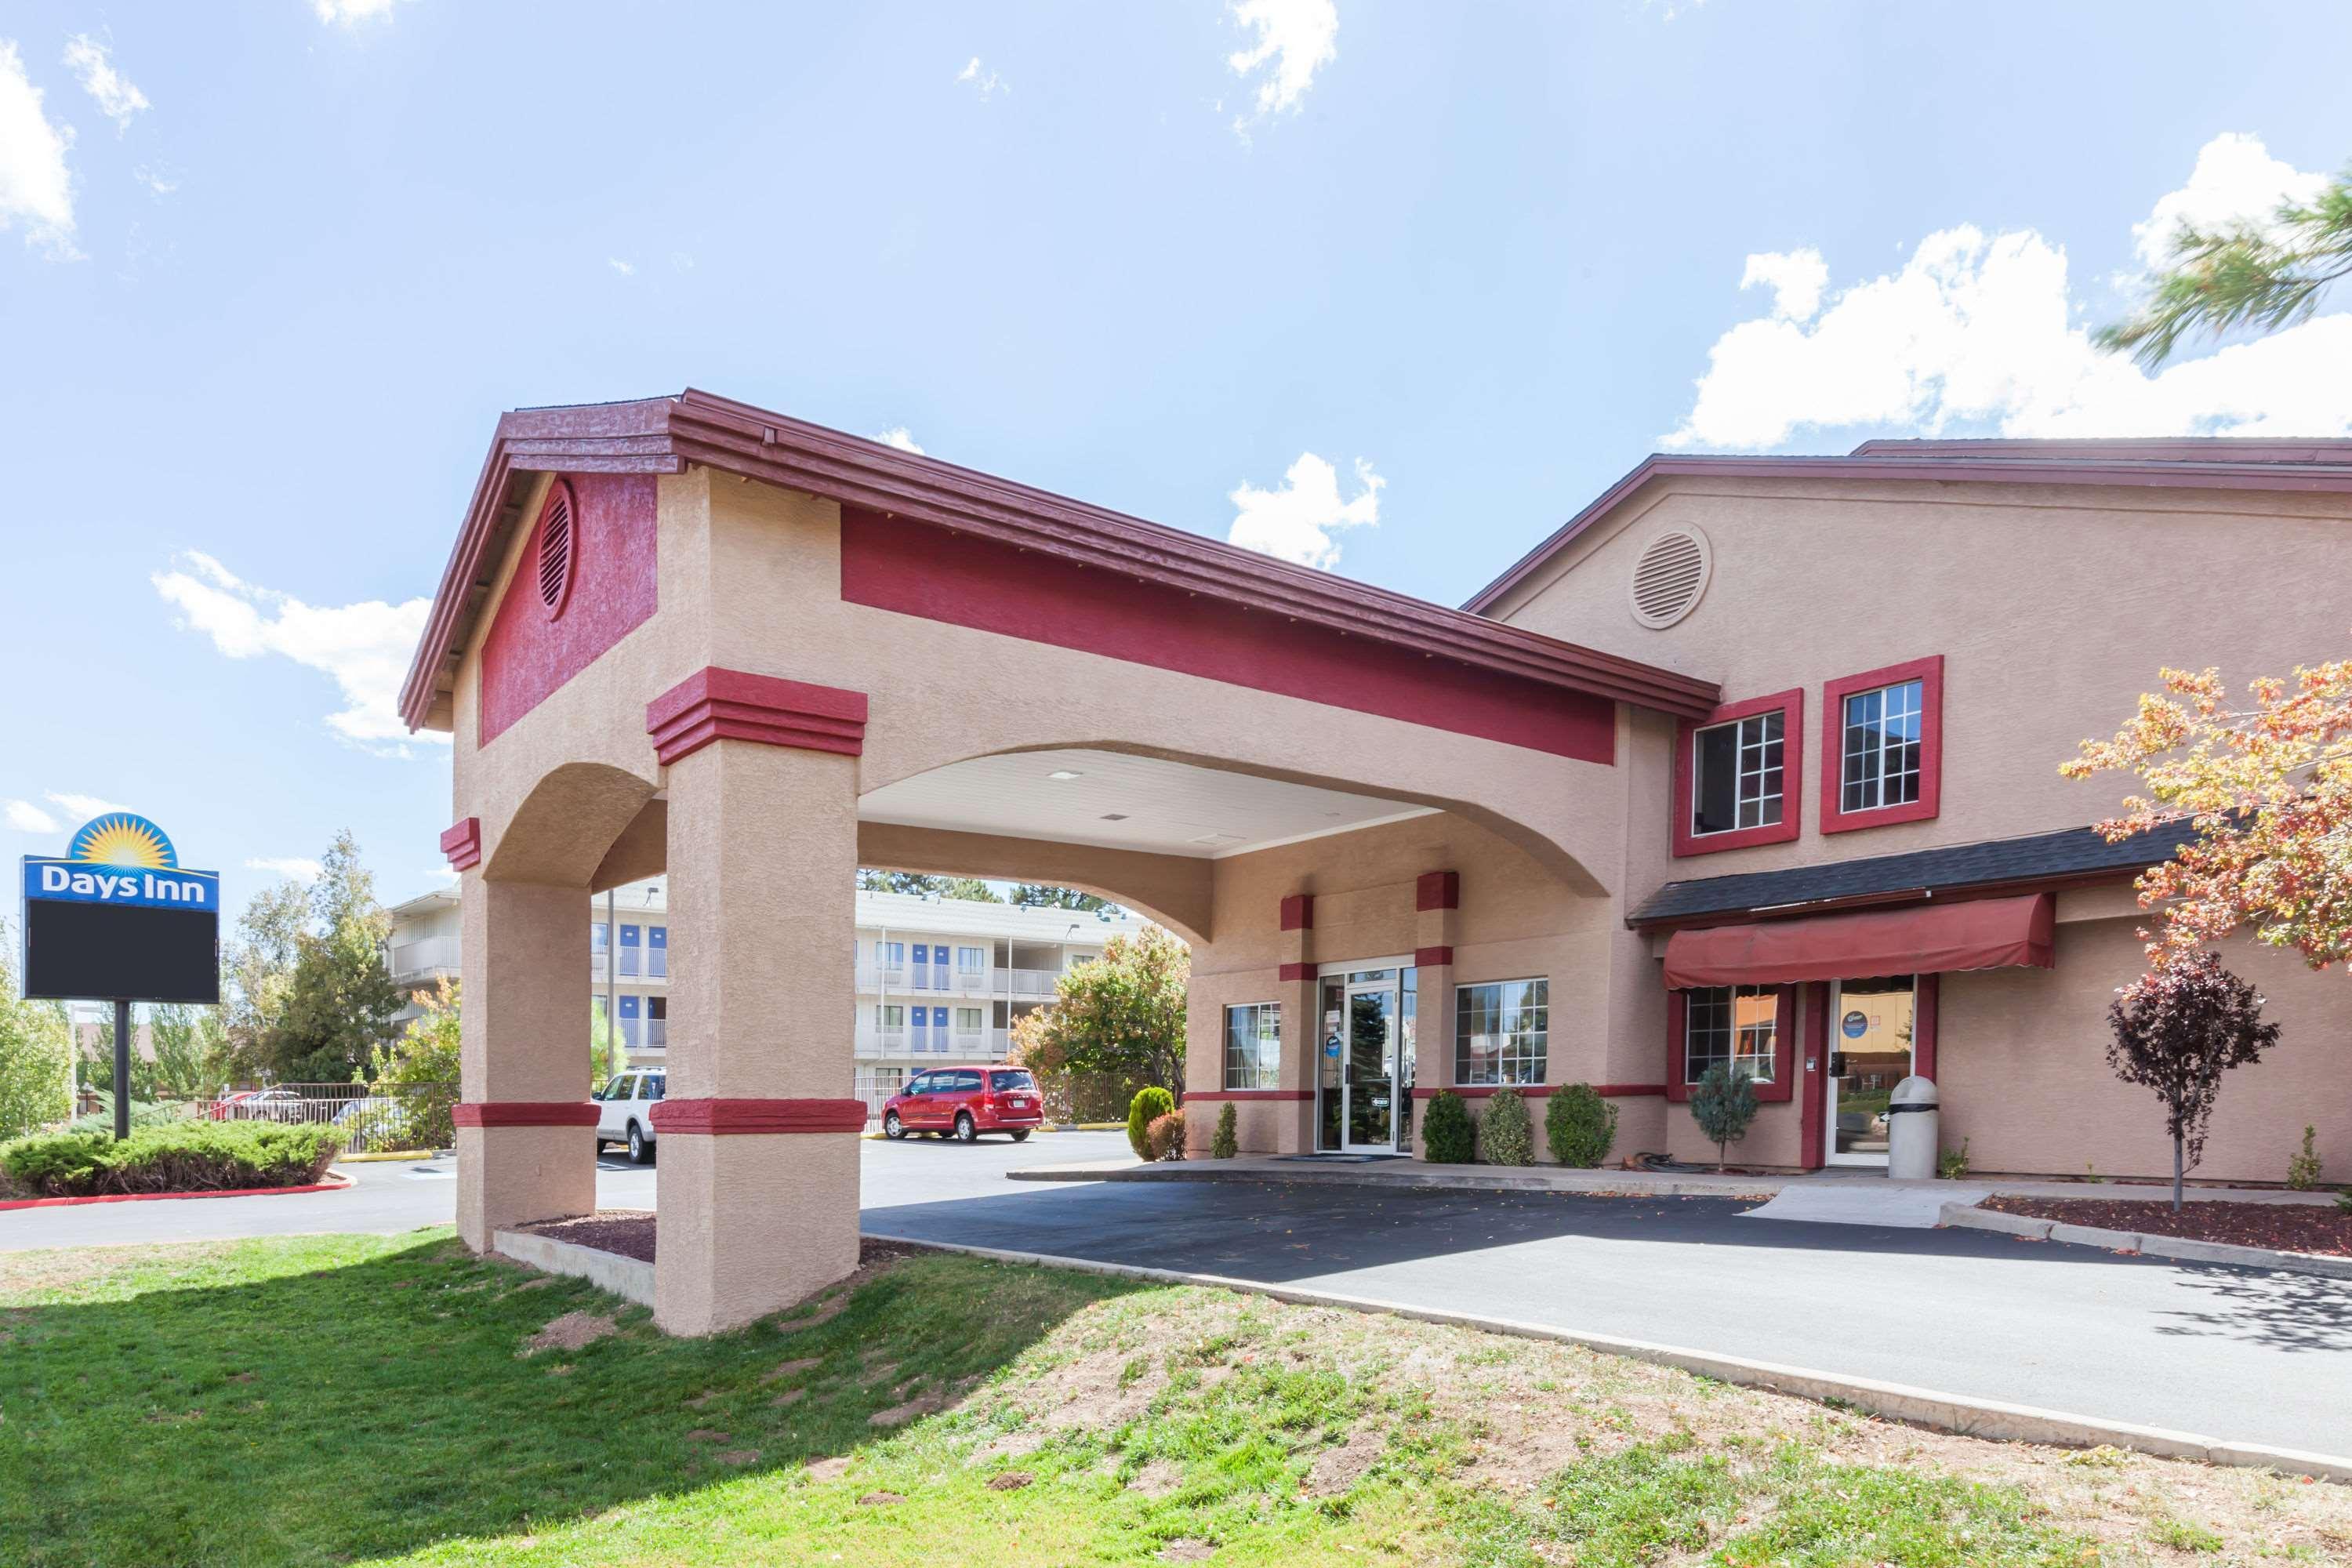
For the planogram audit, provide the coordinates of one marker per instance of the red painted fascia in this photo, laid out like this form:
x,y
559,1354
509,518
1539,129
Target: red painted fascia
x,y
1790,704
1784,1048
1437,890
1929,673
524,1113
662,435
611,588
715,704
1432,957
1249,1094
723,1117
1299,912
1296,972
1541,1091
463,844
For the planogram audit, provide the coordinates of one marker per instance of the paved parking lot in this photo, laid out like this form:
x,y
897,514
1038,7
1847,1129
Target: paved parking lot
x,y
2229,1353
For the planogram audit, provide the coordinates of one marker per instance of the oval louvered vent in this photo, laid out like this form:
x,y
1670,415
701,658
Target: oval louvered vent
x,y
1670,577
555,550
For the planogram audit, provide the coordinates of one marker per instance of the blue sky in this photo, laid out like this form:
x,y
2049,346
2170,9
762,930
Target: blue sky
x,y
1389,288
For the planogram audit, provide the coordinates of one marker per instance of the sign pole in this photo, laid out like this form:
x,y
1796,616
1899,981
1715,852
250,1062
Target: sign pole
x,y
122,1068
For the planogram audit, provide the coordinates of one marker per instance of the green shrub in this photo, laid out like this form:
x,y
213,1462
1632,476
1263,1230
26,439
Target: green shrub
x,y
2303,1170
1952,1164
1580,1126
1165,1136
1150,1103
1724,1103
183,1157
1505,1136
1445,1136
1226,1142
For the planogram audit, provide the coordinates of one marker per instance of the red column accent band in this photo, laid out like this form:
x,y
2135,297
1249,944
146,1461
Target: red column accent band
x,y
1539,1091
1297,972
1437,890
1430,957
724,1116
463,844
523,1113
1299,912
1929,994
1249,1094
714,704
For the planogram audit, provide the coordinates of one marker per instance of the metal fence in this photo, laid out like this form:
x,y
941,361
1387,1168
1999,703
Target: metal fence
x,y
373,1118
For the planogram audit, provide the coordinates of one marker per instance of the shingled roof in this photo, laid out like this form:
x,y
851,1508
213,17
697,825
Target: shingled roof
x,y
2068,855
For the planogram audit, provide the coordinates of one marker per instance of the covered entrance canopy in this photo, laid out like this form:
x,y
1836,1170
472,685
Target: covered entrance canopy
x,y
1926,939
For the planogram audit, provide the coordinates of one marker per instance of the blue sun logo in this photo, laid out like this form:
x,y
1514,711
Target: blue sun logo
x,y
121,838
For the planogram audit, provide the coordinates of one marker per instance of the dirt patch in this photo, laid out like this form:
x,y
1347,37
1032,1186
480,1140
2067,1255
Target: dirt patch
x,y
1010,1481
2282,1228
880,1499
899,1415
789,1396
707,1434
1157,1478
737,1456
874,1258
1187,1549
831,1469
572,1331
628,1232
1335,1470
790,1369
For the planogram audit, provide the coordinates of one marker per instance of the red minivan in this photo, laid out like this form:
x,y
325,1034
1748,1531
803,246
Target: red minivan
x,y
964,1102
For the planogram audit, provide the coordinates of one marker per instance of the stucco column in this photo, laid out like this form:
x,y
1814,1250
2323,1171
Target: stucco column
x,y
1302,1032
1437,905
526,1137
757,1138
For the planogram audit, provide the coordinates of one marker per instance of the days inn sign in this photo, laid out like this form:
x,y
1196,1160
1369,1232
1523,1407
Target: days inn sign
x,y
118,918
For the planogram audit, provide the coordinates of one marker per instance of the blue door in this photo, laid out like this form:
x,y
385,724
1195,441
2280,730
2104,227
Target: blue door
x,y
629,1012
922,976
939,1029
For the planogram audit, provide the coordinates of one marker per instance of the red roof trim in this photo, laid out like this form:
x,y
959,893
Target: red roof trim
x,y
2224,465
663,434
715,704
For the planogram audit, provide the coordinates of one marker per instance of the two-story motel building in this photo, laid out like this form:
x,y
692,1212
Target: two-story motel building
x,y
1754,759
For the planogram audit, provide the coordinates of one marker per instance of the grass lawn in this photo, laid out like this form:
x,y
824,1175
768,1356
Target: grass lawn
x,y
353,1399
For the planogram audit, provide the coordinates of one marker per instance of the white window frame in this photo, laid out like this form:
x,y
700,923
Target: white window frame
x,y
1849,755
1741,1041
1521,1056
1263,1067
1750,765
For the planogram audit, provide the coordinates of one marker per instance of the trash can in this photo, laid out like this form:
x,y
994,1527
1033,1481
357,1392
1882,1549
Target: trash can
x,y
1913,1135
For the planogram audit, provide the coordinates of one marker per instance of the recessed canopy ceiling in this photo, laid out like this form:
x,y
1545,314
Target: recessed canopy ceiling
x,y
1123,802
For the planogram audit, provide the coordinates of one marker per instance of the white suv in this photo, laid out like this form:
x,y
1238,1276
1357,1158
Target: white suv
x,y
624,1111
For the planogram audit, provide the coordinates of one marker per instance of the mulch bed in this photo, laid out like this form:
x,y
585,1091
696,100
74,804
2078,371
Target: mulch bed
x,y
630,1232
2282,1228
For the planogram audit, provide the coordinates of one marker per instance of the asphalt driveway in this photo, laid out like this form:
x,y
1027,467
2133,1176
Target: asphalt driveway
x,y
2231,1353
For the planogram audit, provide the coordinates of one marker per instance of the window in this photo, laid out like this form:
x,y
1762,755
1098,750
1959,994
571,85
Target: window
x,y
889,1017
1736,775
964,1082
658,1021
657,952
1014,1079
1737,1024
1253,1046
629,1011
968,961
1881,756
618,1089
1499,1032
656,1085
922,1085
967,1020
600,939
1739,775
630,944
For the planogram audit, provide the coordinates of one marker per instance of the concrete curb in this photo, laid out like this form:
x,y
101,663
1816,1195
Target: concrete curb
x,y
1968,1216
1897,1401
629,1277
333,1183
1419,1178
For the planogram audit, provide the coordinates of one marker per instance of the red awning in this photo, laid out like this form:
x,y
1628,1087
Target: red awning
x,y
1926,939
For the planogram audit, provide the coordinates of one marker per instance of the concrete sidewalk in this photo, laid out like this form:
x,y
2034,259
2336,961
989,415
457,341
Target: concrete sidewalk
x,y
1820,1196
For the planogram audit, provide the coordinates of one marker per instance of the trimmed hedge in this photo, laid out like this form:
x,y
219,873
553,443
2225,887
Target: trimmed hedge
x,y
183,1157
1446,1135
1150,1103
1226,1141
1580,1126
1505,1135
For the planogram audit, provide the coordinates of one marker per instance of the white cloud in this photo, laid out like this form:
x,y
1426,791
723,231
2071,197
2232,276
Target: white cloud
x,y
1297,521
983,80
83,807
35,187
1295,38
899,435
2235,178
158,180
351,13
117,96
1978,331
627,269
293,866
365,647
25,817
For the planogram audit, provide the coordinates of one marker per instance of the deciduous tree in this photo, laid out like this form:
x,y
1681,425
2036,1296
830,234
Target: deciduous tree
x,y
35,1054
2177,1031
1124,1012
2255,800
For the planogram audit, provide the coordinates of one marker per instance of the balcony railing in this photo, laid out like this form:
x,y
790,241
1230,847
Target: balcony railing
x,y
424,959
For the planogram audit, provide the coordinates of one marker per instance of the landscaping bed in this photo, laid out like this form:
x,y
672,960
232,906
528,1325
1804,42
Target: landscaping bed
x,y
168,1158
375,1399
629,1232
2324,1229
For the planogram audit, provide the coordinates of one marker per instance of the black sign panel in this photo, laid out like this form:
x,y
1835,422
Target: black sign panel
x,y
111,951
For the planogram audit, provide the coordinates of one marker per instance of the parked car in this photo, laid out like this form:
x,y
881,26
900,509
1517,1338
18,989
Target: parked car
x,y
372,1121
224,1107
962,1102
259,1105
625,1111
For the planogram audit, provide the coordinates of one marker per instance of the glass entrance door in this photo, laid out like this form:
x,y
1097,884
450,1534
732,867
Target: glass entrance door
x,y
1367,1089
1870,1052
